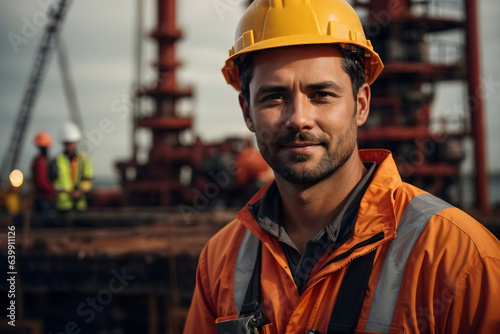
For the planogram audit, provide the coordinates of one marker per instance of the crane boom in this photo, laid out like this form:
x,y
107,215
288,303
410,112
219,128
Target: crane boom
x,y
45,50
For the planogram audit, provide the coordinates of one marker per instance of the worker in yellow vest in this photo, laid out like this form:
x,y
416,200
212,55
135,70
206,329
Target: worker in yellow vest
x,y
72,173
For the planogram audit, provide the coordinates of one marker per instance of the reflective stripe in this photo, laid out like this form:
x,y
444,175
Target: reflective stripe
x,y
245,263
413,221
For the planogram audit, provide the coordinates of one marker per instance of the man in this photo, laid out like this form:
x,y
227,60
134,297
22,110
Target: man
x,y
43,189
337,242
73,173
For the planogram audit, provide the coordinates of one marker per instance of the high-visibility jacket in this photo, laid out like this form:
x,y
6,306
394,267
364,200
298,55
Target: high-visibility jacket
x,y
72,175
436,269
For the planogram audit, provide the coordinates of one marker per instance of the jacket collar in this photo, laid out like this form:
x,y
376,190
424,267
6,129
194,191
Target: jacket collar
x,y
376,209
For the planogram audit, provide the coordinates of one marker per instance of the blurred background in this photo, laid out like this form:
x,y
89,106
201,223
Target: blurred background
x,y
173,160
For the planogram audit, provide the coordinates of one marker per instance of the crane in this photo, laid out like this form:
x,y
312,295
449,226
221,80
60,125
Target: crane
x,y
45,51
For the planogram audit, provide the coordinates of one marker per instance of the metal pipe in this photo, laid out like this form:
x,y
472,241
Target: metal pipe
x,y
136,101
476,104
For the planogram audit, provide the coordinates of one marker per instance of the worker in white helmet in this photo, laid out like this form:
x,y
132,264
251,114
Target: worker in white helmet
x,y
72,172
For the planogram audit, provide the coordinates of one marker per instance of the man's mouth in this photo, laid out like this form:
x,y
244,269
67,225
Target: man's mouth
x,y
300,144
300,147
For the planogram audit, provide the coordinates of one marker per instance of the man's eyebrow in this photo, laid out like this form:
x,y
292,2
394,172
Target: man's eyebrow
x,y
325,85
264,90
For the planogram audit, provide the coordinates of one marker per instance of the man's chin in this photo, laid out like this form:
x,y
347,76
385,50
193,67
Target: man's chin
x,y
300,158
303,174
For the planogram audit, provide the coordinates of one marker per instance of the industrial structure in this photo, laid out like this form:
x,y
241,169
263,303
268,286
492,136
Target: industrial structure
x,y
179,164
403,33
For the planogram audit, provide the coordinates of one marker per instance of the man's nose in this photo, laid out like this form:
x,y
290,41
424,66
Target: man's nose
x,y
298,114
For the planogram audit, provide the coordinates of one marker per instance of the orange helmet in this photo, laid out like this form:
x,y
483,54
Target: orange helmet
x,y
277,23
43,139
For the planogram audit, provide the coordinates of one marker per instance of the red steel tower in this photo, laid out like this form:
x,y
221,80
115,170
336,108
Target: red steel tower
x,y
158,182
413,40
180,168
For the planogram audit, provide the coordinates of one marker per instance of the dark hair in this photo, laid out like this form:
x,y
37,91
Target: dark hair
x,y
352,64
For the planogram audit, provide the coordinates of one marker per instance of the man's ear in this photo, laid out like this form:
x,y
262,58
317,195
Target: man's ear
x,y
363,104
245,108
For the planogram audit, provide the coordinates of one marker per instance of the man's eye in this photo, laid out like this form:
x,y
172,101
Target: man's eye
x,y
321,94
274,97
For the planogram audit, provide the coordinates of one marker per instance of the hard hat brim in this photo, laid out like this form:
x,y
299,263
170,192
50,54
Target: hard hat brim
x,y
230,71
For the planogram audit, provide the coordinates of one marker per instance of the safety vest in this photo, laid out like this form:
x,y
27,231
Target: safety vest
x,y
70,176
413,221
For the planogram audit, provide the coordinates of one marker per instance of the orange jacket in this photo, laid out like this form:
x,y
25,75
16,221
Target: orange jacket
x,y
449,284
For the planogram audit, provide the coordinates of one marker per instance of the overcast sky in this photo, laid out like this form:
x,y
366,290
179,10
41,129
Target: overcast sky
x,y
99,40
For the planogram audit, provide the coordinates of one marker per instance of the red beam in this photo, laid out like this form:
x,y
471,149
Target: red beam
x,y
166,123
476,104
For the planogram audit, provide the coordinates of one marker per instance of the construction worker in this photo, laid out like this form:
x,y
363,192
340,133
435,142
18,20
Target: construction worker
x,y
73,172
43,189
251,168
337,243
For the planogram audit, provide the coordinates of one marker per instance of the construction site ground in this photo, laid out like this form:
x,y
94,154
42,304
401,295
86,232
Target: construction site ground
x,y
65,260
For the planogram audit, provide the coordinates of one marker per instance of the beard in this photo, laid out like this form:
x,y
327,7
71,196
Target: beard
x,y
294,170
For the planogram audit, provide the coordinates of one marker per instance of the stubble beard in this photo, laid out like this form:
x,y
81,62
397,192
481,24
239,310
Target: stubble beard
x,y
330,162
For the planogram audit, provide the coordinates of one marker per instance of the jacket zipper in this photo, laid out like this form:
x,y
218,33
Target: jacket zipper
x,y
377,237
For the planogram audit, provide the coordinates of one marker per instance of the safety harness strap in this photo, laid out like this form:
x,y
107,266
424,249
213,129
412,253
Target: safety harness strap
x,y
351,295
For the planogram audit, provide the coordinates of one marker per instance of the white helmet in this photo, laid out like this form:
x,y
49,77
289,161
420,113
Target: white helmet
x,y
70,133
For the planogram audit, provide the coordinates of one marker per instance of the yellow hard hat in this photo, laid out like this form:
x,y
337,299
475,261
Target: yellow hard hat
x,y
276,23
